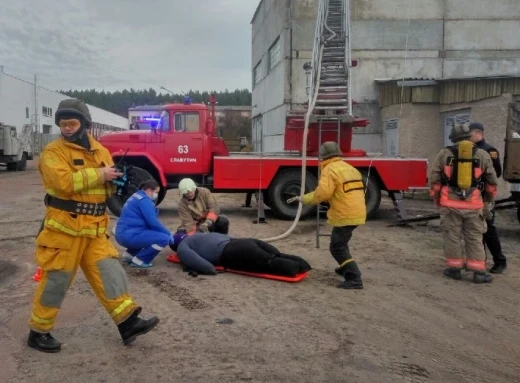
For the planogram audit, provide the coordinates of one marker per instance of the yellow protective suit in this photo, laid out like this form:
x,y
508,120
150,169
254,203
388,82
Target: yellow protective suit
x,y
341,185
69,240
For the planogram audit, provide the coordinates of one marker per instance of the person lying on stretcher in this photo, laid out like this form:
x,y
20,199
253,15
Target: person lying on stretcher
x,y
201,252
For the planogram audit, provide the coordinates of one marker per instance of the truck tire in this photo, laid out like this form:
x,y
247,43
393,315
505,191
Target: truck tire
x,y
162,194
135,177
12,166
518,214
373,194
285,185
22,164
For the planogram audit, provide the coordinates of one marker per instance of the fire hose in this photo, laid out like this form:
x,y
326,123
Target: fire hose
x,y
304,157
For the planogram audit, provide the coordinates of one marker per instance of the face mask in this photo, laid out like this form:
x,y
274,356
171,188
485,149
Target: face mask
x,y
155,196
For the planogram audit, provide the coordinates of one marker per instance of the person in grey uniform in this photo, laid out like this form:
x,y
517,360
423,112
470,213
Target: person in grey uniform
x,y
201,252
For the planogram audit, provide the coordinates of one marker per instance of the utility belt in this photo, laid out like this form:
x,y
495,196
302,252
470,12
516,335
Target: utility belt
x,y
76,207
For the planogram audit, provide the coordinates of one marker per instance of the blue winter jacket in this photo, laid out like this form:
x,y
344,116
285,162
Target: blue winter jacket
x,y
139,214
202,251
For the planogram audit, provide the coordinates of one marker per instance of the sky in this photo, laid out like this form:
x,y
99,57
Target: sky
x,y
116,44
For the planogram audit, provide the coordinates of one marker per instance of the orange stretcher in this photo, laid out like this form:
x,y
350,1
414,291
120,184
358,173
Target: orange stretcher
x,y
297,278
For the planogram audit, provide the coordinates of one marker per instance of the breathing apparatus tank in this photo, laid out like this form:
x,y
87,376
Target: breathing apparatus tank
x,y
465,165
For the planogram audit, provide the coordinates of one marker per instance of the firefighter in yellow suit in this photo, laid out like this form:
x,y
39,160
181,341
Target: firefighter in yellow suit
x,y
341,185
77,172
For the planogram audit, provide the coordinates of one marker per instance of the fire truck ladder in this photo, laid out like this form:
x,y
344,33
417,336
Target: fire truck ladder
x,y
331,54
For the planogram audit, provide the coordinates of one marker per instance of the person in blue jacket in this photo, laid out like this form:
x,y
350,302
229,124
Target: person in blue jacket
x,y
139,229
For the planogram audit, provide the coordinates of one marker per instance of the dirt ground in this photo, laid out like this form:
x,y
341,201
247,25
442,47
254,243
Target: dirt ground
x,y
409,324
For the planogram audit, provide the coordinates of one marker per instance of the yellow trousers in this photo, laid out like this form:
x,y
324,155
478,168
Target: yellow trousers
x,y
59,255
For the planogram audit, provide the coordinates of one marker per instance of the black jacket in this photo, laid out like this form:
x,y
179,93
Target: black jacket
x,y
493,153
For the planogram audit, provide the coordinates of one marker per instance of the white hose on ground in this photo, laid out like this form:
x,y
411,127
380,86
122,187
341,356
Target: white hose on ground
x,y
304,155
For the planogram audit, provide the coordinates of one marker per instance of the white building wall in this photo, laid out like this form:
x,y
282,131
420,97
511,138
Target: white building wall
x,y
17,106
270,87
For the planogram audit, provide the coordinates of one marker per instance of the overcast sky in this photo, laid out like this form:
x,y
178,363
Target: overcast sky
x,y
117,44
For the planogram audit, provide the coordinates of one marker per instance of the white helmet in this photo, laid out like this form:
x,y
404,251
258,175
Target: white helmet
x,y
186,185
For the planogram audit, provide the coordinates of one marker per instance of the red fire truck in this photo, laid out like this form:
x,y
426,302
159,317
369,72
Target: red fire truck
x,y
185,144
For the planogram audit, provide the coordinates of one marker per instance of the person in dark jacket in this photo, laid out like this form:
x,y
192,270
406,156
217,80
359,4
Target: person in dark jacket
x,y
201,252
491,238
138,228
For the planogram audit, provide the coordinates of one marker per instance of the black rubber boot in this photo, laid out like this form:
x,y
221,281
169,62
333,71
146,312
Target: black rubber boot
x,y
481,277
43,342
498,268
352,276
134,326
351,284
453,273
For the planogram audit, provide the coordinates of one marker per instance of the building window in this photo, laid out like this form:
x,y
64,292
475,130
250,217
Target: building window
x,y
27,112
274,53
46,129
452,119
257,73
187,122
47,112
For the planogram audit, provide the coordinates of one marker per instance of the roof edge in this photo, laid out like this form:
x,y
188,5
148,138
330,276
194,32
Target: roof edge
x,y
256,11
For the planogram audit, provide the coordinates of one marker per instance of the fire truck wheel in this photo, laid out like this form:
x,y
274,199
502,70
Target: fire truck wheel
x,y
287,184
135,177
373,194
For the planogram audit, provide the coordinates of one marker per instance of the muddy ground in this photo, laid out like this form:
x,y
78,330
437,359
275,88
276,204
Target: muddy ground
x,y
409,324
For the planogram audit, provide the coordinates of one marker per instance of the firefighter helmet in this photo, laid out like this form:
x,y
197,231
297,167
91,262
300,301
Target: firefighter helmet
x,y
460,132
329,149
73,107
186,185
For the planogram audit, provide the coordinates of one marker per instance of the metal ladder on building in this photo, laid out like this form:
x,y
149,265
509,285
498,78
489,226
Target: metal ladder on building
x,y
333,102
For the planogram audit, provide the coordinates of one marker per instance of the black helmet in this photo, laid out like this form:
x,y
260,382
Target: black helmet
x,y
73,107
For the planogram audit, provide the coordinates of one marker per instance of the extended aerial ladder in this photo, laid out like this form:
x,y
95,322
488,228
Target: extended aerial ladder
x,y
330,75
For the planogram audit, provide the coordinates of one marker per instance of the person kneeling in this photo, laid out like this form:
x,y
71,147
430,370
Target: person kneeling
x,y
199,210
139,229
202,252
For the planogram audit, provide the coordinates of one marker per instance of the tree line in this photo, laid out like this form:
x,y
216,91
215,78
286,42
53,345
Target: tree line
x,y
120,101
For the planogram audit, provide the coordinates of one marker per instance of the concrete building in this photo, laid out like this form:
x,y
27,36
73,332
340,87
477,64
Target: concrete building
x,y
17,108
464,44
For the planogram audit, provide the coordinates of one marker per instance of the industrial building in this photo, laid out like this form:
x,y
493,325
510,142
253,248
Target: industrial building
x,y
22,102
421,65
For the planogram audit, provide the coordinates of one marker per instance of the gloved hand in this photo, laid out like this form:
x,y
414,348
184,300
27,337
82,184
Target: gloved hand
x,y
172,240
488,208
294,199
204,227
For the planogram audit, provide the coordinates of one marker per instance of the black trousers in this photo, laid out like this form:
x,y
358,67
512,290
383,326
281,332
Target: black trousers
x,y
339,249
492,241
256,256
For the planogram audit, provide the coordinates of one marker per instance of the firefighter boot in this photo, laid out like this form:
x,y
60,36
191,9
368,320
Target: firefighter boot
x,y
482,277
43,342
453,273
352,276
134,326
